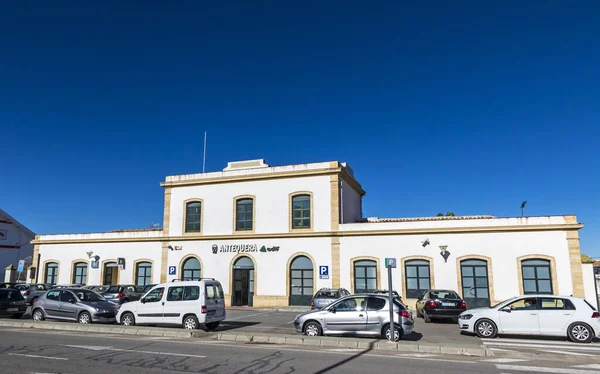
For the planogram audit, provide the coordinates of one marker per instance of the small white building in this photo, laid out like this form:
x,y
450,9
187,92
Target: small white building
x,y
15,243
275,235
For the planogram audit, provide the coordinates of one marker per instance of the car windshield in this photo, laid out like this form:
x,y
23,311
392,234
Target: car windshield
x,y
443,295
329,294
114,289
87,295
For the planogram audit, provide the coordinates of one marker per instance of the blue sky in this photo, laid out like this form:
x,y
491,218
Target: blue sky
x,y
464,107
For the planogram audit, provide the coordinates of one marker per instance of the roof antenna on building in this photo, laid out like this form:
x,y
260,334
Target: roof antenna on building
x,y
523,207
204,156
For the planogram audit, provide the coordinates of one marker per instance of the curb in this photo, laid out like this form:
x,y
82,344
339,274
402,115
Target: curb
x,y
359,343
107,329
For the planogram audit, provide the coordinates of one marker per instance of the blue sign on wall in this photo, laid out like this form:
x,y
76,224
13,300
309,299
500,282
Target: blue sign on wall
x,y
323,272
172,270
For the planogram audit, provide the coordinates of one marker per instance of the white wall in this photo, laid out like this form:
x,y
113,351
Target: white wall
x,y
271,204
12,237
271,267
351,204
589,284
65,254
502,248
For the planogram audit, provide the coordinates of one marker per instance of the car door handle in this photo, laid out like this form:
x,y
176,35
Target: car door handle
x,y
361,315
533,314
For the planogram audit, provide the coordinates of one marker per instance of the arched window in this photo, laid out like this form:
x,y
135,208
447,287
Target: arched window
x,y
244,214
301,212
365,276
537,277
417,277
51,273
143,273
193,214
80,273
191,269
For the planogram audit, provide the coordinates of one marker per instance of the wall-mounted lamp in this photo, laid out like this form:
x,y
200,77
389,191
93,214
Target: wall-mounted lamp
x,y
90,253
176,248
444,252
425,243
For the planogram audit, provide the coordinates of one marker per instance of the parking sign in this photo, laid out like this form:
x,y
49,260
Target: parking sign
x,y
323,272
172,270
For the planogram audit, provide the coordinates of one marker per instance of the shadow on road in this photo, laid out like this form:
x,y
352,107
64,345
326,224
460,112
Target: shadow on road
x,y
226,326
345,361
414,337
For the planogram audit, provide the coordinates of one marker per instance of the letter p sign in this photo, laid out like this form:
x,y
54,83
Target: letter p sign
x,y
323,272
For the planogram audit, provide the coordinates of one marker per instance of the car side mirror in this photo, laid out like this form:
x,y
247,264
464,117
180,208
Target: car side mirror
x,y
505,309
332,309
143,301
73,301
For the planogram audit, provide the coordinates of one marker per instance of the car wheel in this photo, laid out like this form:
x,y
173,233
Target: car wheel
x,y
398,333
212,326
127,319
426,317
190,323
486,329
313,329
37,315
17,316
580,333
84,317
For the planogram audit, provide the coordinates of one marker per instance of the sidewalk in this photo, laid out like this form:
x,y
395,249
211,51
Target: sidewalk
x,y
296,309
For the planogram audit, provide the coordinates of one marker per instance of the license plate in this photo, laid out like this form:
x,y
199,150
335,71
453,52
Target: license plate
x,y
12,309
448,304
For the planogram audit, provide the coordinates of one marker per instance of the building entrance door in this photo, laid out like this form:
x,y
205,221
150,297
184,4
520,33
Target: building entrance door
x,y
243,282
301,281
111,274
475,284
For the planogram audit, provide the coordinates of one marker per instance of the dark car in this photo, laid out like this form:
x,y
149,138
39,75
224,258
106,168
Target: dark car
x,y
98,289
326,296
8,285
123,293
12,303
147,288
440,304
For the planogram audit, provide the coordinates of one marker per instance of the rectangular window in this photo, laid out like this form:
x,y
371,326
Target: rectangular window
x,y
417,278
210,292
301,212
191,293
175,294
192,216
365,276
143,274
537,277
80,273
244,214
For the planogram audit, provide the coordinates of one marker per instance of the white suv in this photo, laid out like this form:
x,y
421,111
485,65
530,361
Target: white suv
x,y
549,315
186,303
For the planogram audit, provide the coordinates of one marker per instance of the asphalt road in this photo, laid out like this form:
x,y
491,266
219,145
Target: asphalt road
x,y
62,352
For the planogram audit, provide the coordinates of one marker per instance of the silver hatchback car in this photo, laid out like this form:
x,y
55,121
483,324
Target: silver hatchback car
x,y
74,304
362,315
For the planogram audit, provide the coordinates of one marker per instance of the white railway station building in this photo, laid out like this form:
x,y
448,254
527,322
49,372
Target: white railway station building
x,y
273,236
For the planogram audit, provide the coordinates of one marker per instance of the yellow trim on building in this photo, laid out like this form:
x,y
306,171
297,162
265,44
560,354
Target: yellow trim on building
x,y
43,280
134,270
335,262
490,274
575,263
364,258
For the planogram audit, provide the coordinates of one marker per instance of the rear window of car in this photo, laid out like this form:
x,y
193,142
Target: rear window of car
x,y
443,295
10,295
114,289
332,294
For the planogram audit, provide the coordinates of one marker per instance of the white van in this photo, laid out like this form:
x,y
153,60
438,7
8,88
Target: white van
x,y
185,303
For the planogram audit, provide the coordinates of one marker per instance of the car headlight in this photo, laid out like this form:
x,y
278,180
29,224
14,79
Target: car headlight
x,y
465,316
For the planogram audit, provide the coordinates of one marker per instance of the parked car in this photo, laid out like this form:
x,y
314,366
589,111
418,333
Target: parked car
x,y
147,288
545,315
440,304
187,303
8,285
74,304
12,303
121,294
31,292
98,289
395,294
326,296
61,286
367,314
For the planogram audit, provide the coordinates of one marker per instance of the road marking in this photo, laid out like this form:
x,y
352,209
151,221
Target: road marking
x,y
504,360
103,348
554,342
590,366
566,352
538,369
246,316
502,350
36,356
416,355
578,347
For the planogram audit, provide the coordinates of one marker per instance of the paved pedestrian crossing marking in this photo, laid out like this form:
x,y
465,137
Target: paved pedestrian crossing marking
x,y
539,369
570,353
504,360
590,366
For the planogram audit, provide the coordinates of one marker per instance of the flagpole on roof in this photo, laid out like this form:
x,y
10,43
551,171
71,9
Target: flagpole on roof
x,y
204,156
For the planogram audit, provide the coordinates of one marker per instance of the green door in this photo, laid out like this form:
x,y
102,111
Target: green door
x,y
475,284
301,281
